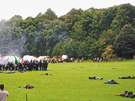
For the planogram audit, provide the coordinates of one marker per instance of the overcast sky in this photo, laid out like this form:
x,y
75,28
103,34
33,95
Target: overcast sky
x,y
26,8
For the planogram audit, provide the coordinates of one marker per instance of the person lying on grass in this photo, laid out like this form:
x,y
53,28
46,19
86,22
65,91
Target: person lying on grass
x,y
127,94
46,74
111,82
27,87
10,72
96,78
126,77
23,71
1,72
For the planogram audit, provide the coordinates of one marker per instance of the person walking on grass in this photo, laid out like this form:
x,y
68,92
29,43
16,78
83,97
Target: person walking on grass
x,y
3,94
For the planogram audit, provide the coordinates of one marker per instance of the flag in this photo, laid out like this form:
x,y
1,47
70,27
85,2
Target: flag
x,y
22,62
0,56
16,61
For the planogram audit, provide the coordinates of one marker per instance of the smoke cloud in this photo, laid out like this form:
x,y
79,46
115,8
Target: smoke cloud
x,y
11,40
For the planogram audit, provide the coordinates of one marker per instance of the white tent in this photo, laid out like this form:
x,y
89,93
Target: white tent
x,y
6,59
64,57
29,58
43,58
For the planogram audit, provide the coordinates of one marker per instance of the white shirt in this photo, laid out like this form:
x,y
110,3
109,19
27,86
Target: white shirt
x,y
3,95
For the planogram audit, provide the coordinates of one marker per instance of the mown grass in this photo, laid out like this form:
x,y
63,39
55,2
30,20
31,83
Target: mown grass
x,y
70,82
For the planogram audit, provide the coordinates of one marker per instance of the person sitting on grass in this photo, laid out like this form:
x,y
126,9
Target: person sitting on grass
x,y
111,82
3,94
96,78
27,87
127,94
126,77
46,74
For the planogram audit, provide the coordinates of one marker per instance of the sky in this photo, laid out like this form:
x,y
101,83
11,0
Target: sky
x,y
31,8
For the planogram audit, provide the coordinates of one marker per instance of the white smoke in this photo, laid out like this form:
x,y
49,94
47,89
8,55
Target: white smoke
x,y
9,44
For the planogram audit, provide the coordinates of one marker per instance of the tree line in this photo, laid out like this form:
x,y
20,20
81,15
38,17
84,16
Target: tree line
x,y
108,32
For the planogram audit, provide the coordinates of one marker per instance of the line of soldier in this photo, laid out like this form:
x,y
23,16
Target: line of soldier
x,y
32,65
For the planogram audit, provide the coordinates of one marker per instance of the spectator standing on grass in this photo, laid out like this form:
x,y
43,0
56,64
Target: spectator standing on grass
x,y
45,65
3,94
78,60
40,64
3,66
82,59
30,66
36,63
97,59
0,67
20,67
93,60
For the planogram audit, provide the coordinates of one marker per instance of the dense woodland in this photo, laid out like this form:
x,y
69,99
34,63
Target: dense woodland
x,y
108,32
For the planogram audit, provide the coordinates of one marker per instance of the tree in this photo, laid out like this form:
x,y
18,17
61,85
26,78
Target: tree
x,y
79,34
82,50
108,16
11,38
68,47
71,18
108,37
28,25
96,49
120,20
50,15
109,52
57,49
125,42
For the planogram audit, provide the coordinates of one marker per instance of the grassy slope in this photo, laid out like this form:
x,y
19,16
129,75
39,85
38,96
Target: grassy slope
x,y
70,82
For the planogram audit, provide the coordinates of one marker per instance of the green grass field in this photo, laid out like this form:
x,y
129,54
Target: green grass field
x,y
70,82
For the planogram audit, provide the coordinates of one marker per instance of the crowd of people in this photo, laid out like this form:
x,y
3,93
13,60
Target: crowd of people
x,y
32,65
61,60
101,59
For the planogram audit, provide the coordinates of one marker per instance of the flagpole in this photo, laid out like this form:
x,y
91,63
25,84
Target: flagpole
x,y
26,98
